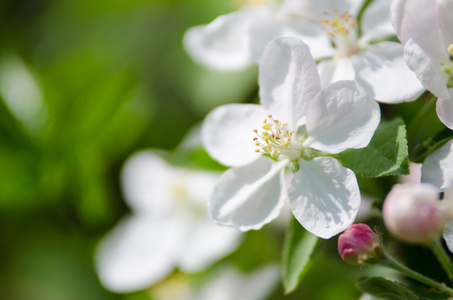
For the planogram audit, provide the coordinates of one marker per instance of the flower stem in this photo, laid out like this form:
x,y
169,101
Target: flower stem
x,y
442,257
389,262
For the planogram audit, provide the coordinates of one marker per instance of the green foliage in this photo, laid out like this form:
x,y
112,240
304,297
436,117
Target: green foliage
x,y
384,288
386,155
300,246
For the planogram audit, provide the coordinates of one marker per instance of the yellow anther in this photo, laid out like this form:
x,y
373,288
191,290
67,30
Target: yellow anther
x,y
277,122
265,121
275,153
285,124
286,142
257,144
291,132
257,150
266,126
450,49
269,116
255,131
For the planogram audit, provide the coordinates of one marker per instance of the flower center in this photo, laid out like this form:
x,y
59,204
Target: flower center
x,y
277,141
342,29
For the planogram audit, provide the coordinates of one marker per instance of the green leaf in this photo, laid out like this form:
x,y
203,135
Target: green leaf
x,y
300,246
384,288
386,155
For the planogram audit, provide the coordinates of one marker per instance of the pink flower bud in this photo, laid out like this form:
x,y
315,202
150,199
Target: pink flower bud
x,y
413,212
359,245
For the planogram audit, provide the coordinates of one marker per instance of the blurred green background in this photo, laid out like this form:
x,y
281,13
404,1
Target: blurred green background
x,y
83,85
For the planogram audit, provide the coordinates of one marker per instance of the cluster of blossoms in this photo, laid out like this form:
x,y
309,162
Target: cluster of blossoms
x,y
324,68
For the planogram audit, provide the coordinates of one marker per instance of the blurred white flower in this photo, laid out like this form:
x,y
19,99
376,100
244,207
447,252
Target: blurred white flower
x,y
225,283
426,29
169,226
307,124
329,28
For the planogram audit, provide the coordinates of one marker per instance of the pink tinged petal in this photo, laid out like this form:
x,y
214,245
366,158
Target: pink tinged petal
x,y
223,44
342,118
227,133
375,22
249,196
324,196
445,110
205,244
427,70
147,182
438,167
288,80
138,252
446,20
418,20
380,67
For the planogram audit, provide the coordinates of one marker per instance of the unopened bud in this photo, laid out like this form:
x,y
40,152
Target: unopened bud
x,y
413,212
359,245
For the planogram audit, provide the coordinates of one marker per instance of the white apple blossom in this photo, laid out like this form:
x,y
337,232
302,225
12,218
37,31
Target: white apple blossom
x,y
330,28
303,124
224,283
169,226
426,29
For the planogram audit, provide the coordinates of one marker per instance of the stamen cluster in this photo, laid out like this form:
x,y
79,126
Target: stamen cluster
x,y
340,23
342,28
277,140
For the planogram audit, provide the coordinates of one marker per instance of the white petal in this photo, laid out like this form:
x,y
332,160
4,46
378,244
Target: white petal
x,y
342,118
227,133
249,196
438,167
288,80
427,70
380,67
324,196
419,20
332,70
138,252
147,182
326,69
375,22
448,236
445,110
262,31
223,44
207,243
